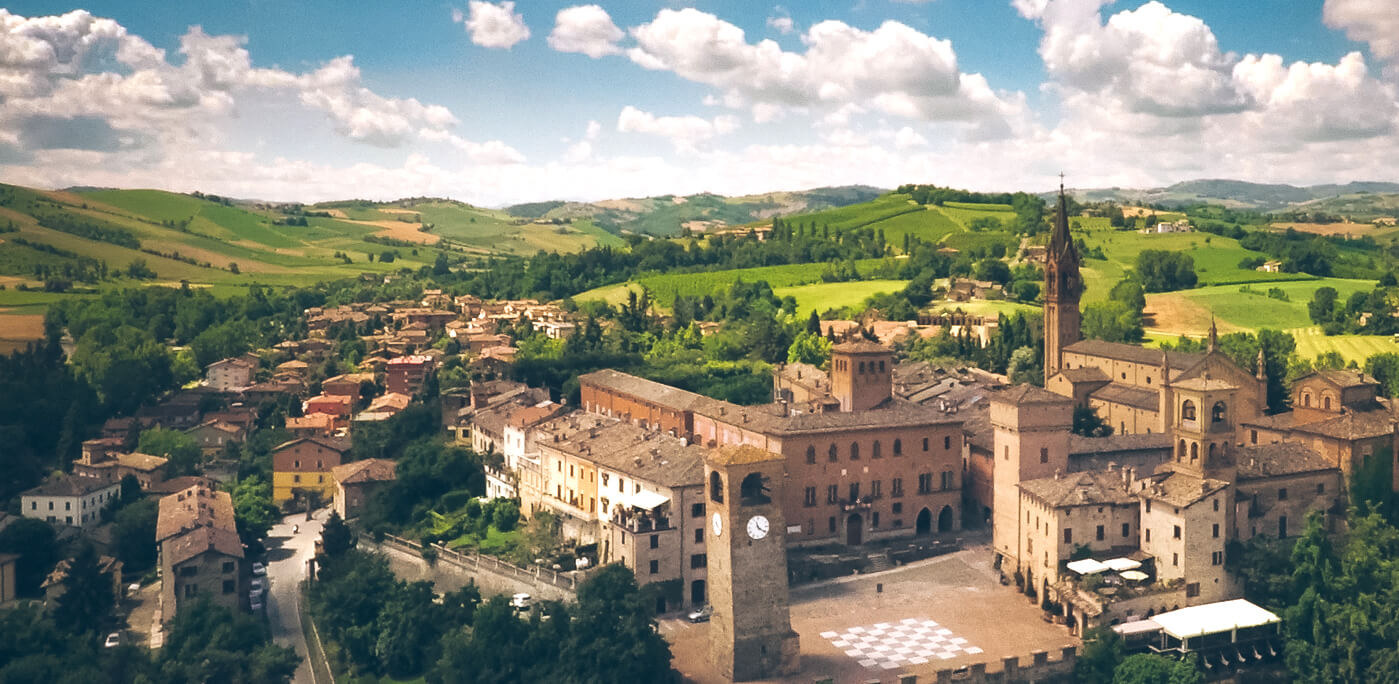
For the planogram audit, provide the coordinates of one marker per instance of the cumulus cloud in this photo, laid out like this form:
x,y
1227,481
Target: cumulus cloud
x,y
586,29
899,69
782,24
1375,22
493,25
682,131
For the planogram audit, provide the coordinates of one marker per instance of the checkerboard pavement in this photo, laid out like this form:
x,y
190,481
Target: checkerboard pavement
x,y
913,641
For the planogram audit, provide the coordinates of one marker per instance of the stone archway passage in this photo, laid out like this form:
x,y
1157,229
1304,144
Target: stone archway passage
x,y
697,595
924,526
854,530
945,519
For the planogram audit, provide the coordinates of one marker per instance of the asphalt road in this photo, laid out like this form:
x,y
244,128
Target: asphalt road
x,y
287,555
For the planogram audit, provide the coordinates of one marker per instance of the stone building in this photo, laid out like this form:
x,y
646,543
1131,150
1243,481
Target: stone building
x,y
231,374
201,555
358,481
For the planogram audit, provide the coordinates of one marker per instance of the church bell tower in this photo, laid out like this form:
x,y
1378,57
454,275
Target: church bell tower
x,y
1063,285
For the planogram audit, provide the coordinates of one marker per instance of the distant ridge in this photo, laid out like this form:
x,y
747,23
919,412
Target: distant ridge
x,y
1238,194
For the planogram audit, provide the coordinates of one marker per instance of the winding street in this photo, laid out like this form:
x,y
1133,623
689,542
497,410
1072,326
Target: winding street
x,y
287,556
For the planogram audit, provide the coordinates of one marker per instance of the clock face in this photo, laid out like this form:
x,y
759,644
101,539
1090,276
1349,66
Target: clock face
x,y
718,524
757,527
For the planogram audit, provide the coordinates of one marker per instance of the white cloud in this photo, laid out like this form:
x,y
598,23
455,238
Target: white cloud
x,y
594,128
1369,21
901,70
907,137
682,131
586,29
782,24
494,25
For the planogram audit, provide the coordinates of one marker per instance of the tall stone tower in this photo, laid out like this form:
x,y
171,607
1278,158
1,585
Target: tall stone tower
x,y
750,632
1062,288
1031,441
1203,426
862,375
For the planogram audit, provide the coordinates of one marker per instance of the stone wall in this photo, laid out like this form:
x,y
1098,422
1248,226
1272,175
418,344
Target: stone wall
x,y
451,572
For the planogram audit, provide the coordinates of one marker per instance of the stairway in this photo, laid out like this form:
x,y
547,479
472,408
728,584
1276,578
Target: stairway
x,y
879,562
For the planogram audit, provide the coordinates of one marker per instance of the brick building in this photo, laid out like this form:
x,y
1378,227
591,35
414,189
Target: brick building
x,y
406,374
305,463
201,555
356,483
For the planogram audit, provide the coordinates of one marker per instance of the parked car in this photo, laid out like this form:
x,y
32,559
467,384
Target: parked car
x,y
521,601
258,585
255,603
113,640
701,615
259,569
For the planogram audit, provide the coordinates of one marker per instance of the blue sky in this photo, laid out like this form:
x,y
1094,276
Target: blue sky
x,y
498,102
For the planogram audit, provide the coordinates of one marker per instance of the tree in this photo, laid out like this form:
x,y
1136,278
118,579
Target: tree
x,y
1149,668
133,535
993,270
35,542
1112,321
180,448
1025,367
87,594
336,536
813,323
810,348
614,637
207,642
1102,653
1163,271
1088,424
253,510
1322,307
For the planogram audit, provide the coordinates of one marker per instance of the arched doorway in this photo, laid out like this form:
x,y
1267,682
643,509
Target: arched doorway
x,y
945,519
924,525
854,530
697,592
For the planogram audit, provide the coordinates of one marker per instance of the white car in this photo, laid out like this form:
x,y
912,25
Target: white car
x,y
258,585
113,640
255,603
521,601
259,569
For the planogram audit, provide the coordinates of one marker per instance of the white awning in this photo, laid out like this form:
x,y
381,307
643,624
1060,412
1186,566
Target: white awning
x,y
1136,627
1087,566
646,499
1213,618
1134,575
1120,564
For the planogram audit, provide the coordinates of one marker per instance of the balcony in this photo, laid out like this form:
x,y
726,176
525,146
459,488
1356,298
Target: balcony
x,y
863,503
639,521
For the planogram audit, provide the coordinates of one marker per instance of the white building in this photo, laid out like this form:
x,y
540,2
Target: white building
x,y
230,374
65,500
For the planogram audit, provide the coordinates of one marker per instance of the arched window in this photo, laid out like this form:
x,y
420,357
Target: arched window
x,y
716,487
1326,402
1307,399
811,454
1187,410
831,454
854,451
753,491
1194,451
1217,413
875,451
1180,451
898,447
1213,452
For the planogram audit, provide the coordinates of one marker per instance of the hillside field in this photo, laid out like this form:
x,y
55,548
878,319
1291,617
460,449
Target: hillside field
x,y
823,296
1189,311
665,287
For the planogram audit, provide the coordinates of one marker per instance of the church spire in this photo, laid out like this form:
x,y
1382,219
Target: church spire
x,y
1063,285
1061,243
1262,369
1214,337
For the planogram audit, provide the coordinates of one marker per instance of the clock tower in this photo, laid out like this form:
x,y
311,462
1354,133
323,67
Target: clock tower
x,y
750,631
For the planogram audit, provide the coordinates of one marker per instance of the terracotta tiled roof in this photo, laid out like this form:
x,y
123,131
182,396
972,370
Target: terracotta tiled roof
x,y
860,347
1080,489
1135,354
191,543
195,507
1085,374
1204,384
335,444
1352,426
67,485
1115,443
1345,378
1281,458
1129,395
368,470
1027,394
641,388
1181,489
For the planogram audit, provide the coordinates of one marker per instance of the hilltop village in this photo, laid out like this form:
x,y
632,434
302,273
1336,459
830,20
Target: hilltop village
x,y
854,464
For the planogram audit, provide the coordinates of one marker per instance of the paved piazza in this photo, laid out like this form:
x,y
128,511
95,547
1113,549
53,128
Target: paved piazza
x,y
910,641
952,607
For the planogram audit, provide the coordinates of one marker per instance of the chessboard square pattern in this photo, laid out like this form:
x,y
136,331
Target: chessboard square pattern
x,y
911,641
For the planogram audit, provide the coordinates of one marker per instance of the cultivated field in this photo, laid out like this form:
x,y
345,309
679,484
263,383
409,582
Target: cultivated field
x,y
823,296
665,287
1311,343
1189,311
1346,228
18,328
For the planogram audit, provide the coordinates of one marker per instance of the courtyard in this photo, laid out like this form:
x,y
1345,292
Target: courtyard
x,y
945,612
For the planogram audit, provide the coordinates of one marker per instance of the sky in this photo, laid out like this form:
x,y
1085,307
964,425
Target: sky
x,y
495,103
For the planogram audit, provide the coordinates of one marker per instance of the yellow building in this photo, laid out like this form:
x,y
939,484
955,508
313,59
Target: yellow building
x,y
303,466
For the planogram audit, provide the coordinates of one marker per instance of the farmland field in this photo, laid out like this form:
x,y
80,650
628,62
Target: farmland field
x,y
665,287
929,225
858,215
987,308
1189,311
823,296
1311,342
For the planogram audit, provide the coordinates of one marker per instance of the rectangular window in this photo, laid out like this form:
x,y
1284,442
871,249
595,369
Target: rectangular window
x,y
854,491
655,541
699,535
810,497
1282,494
896,487
898,507
1175,560
1176,534
1068,535
1217,558
1148,505
832,494
925,483
1192,590
1126,529
228,566
874,519
295,478
1044,454
1148,535
697,510
947,442
1101,533
698,561
925,444
1216,530
831,524
1216,504
1320,488
655,567
1282,527
229,586
875,488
